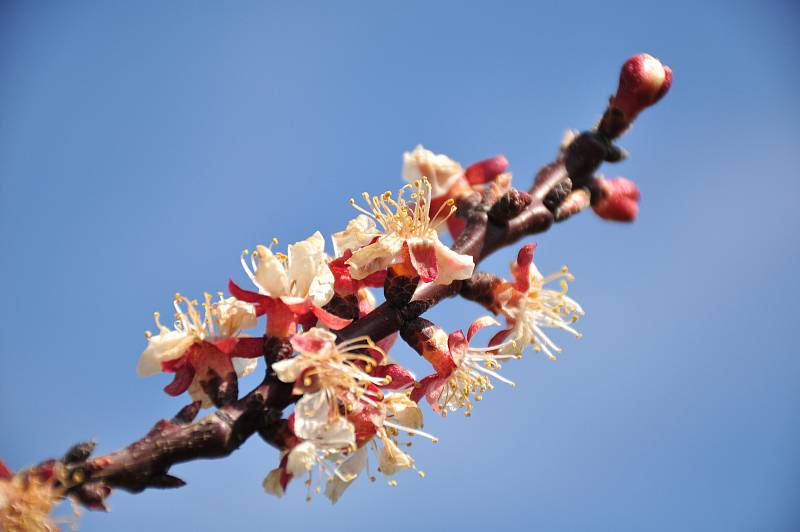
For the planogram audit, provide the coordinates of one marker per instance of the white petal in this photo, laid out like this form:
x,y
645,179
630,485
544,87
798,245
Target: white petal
x,y
376,256
235,315
272,483
392,459
197,393
338,434
270,275
312,422
350,469
359,232
311,415
309,273
406,412
244,366
452,266
162,347
288,370
440,170
303,263
301,458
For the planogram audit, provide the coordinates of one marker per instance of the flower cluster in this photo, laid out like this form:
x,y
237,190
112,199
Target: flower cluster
x,y
28,497
326,339
353,401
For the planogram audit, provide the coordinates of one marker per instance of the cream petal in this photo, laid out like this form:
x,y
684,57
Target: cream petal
x,y
376,257
312,422
301,458
272,483
311,415
339,434
452,266
235,315
440,169
244,366
321,289
165,346
406,412
304,258
359,232
197,393
288,370
270,274
349,469
392,459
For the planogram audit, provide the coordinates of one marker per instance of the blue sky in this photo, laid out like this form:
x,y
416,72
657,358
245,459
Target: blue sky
x,y
142,147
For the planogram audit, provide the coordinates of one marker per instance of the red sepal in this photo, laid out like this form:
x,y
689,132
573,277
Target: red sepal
x,y
5,472
486,170
184,375
331,320
262,302
248,347
400,377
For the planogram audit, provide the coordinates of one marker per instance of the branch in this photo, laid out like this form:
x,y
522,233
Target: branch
x,y
560,189
146,463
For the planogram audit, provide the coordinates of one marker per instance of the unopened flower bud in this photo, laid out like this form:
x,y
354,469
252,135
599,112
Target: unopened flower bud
x,y
618,201
642,82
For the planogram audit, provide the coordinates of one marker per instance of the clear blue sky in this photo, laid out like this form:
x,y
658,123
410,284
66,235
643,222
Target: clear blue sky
x,y
142,147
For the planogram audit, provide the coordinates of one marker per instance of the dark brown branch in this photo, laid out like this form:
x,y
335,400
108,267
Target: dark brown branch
x,y
493,223
146,462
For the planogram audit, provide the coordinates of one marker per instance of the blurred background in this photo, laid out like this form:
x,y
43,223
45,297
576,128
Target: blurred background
x,y
144,145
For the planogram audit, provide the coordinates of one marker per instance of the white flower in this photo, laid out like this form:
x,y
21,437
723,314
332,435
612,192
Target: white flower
x,y
326,437
395,414
302,274
222,319
404,225
441,170
335,367
529,313
463,372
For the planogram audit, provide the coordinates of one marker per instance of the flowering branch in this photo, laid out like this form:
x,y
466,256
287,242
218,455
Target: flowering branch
x,y
325,345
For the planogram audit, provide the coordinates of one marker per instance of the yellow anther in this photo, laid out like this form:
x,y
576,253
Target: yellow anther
x,y
392,483
421,474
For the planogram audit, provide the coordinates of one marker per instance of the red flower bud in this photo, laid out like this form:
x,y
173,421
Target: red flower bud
x,y
642,82
619,201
